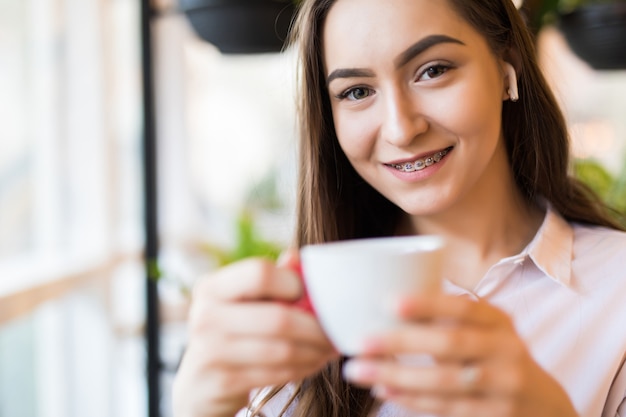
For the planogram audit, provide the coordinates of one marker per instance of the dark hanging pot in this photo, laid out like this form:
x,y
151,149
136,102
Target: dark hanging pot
x,y
241,26
597,34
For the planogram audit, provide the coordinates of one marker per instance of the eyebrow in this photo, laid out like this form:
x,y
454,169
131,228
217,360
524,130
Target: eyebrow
x,y
405,57
349,73
421,46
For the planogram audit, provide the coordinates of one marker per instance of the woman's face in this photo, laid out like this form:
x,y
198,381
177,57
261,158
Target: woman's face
x,y
416,96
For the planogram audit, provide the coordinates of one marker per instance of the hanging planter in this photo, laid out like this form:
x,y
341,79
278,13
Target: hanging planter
x,y
597,34
241,26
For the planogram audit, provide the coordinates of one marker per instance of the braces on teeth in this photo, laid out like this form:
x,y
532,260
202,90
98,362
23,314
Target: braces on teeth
x,y
420,164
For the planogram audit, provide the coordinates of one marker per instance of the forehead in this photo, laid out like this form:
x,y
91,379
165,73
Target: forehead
x,y
362,29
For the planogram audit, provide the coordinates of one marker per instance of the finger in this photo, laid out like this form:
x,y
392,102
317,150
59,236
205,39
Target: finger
x,y
237,352
452,406
258,319
250,279
236,378
443,379
442,341
451,308
224,385
290,259
446,378
246,379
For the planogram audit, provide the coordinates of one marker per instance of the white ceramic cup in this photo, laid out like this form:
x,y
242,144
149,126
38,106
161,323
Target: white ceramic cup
x,y
351,284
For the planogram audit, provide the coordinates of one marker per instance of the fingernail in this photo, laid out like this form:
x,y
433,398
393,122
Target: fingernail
x,y
351,371
358,371
403,308
378,391
383,393
282,258
288,258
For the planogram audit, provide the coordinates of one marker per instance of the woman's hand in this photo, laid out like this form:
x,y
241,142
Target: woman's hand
x,y
240,340
478,366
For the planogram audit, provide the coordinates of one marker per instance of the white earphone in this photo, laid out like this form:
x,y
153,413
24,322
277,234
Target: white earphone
x,y
513,92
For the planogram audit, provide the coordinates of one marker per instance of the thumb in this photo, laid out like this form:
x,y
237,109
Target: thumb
x,y
290,259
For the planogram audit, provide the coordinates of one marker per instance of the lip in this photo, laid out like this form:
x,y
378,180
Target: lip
x,y
422,174
420,156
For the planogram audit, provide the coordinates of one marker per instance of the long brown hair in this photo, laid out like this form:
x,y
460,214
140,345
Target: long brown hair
x,y
335,203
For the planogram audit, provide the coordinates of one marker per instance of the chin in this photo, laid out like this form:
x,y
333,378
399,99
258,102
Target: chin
x,y
421,209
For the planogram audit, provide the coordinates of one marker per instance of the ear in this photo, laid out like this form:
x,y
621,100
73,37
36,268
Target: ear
x,y
511,69
511,81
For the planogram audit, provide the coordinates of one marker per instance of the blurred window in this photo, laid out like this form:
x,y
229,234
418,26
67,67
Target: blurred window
x,y
70,203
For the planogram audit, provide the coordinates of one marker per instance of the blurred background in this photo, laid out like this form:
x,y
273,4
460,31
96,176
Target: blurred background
x,y
74,292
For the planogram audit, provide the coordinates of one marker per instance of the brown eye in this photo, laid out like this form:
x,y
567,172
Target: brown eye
x,y
434,71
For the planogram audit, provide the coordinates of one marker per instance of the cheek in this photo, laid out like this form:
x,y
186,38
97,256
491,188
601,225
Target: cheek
x,y
469,110
356,135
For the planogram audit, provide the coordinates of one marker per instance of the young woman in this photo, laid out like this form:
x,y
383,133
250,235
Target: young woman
x,y
427,117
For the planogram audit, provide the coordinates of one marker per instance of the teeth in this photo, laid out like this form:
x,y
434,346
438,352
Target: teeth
x,y
420,164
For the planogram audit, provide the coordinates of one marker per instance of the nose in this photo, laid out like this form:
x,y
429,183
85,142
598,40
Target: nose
x,y
403,121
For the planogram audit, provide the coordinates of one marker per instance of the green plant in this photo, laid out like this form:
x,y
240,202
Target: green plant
x,y
263,196
611,189
248,244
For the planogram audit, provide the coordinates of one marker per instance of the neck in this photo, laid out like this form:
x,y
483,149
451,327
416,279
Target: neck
x,y
492,222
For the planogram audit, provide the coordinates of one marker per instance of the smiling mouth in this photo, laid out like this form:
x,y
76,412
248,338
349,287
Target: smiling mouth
x,y
421,163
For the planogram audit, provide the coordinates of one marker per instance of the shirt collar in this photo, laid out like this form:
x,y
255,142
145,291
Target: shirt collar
x,y
551,248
